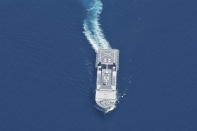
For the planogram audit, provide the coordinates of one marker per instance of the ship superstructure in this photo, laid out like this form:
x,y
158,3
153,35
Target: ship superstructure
x,y
107,64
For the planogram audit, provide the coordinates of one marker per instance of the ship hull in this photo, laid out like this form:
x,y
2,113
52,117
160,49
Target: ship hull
x,y
107,64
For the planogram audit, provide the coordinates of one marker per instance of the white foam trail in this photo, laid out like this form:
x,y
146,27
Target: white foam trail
x,y
92,29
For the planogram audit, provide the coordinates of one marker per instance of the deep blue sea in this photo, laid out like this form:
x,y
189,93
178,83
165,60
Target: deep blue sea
x,y
48,75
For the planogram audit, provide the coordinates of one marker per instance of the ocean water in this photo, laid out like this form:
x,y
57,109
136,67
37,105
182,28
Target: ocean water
x,y
47,65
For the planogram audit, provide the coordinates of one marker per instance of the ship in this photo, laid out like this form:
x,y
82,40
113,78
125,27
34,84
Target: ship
x,y
107,64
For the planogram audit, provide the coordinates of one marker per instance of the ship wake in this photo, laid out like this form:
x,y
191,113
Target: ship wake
x,y
91,25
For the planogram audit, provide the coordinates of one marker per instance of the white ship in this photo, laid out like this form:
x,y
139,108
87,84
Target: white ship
x,y
107,64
